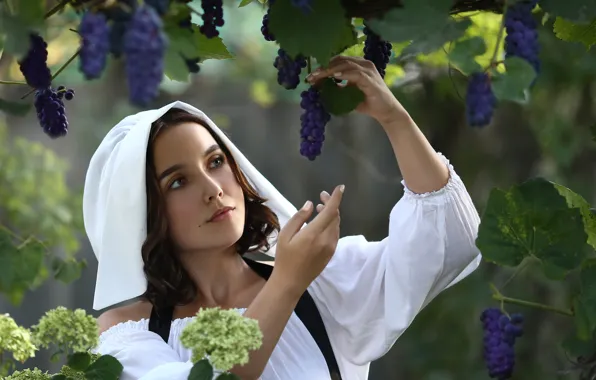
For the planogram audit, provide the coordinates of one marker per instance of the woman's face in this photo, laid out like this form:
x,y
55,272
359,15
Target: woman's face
x,y
197,183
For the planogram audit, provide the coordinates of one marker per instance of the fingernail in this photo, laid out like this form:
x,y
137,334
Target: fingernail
x,y
338,74
324,193
342,188
307,205
316,72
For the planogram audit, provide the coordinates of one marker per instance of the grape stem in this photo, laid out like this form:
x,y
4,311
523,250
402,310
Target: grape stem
x,y
493,60
11,82
57,8
497,295
76,54
194,11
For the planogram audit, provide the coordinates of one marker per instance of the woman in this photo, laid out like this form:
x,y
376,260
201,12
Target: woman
x,y
170,206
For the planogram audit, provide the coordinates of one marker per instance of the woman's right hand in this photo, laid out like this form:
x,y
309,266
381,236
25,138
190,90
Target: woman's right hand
x,y
303,253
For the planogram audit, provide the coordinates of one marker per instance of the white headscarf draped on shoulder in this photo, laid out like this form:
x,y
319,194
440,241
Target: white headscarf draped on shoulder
x,y
115,203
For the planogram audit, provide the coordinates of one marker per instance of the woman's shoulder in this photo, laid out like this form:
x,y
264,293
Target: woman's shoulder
x,y
135,311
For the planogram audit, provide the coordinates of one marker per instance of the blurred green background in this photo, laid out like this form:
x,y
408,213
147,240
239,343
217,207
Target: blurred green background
x,y
41,179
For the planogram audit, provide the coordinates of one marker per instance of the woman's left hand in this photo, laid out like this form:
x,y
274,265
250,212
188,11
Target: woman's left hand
x,y
379,102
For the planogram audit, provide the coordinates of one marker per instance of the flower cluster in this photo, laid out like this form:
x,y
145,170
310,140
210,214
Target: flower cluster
x,y
15,339
224,336
67,328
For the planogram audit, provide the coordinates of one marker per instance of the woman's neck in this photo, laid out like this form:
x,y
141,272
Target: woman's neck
x,y
222,278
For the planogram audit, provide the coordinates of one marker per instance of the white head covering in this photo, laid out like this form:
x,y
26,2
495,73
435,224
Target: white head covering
x,y
115,203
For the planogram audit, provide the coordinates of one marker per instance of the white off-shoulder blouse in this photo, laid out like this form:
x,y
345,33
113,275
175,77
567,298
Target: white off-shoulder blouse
x,y
368,295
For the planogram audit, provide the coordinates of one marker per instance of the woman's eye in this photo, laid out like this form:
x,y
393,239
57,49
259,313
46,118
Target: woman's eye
x,y
176,183
217,162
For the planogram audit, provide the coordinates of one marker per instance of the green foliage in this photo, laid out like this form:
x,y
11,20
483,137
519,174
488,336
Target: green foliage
x,y
568,31
532,220
544,222
35,201
320,34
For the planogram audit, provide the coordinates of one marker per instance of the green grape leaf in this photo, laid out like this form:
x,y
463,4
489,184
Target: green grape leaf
x,y
188,43
67,270
570,32
463,54
576,347
28,16
15,108
512,84
106,367
321,33
415,19
175,67
59,376
21,267
201,370
579,11
584,305
244,3
532,220
575,200
339,100
433,41
79,361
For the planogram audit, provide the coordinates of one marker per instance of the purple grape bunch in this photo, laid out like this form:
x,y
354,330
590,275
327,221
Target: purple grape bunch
x,y
34,65
313,121
95,44
265,26
522,38
144,48
377,50
50,110
480,100
212,17
288,69
500,335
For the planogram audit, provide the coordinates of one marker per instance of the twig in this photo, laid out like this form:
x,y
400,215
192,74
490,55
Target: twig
x,y
500,297
493,60
57,8
12,82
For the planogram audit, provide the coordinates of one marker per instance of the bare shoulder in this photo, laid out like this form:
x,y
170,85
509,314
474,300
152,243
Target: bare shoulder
x,y
133,312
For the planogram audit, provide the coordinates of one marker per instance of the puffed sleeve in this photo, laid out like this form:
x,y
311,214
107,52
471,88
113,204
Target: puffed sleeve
x,y
370,292
142,353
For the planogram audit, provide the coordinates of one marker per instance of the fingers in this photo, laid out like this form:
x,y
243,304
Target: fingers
x,y
330,211
296,221
324,199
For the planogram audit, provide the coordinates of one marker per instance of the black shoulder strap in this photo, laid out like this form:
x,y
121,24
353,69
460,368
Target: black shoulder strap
x,y
161,321
306,309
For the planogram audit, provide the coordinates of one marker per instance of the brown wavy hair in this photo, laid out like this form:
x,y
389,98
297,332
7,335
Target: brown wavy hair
x,y
168,283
